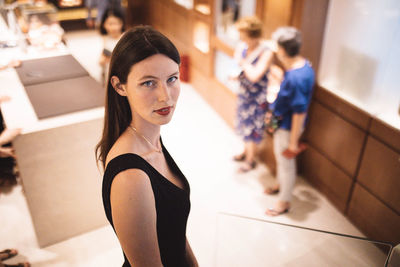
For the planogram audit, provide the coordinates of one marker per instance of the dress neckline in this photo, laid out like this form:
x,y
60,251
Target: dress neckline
x,y
163,178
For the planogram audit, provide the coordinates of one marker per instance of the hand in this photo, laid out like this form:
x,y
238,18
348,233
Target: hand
x,y
268,117
7,152
8,135
291,152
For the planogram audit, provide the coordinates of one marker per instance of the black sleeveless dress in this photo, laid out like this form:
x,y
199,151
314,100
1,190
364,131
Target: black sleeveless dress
x,y
172,205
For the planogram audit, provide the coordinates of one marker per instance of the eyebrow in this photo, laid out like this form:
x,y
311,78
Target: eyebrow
x,y
154,77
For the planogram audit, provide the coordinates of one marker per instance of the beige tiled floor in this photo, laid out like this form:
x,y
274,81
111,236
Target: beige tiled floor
x,y
203,144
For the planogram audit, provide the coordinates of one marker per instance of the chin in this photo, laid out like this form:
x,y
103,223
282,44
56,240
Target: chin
x,y
162,121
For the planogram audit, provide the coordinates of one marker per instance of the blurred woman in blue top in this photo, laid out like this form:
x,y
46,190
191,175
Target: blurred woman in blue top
x,y
291,107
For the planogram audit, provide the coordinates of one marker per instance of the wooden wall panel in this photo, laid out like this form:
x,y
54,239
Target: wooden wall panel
x,y
335,138
380,173
155,14
276,13
373,217
342,108
313,16
386,134
136,13
326,177
201,62
218,96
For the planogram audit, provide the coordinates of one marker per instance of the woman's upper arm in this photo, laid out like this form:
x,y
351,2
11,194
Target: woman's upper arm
x,y
134,217
255,73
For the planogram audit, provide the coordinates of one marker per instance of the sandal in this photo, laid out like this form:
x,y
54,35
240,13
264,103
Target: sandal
x,y
21,264
274,212
240,157
271,190
9,253
247,166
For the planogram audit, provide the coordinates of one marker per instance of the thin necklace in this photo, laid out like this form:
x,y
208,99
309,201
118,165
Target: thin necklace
x,y
147,140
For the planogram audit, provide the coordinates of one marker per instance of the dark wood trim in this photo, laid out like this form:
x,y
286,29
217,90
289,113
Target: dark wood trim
x,y
310,18
386,133
297,12
360,159
260,9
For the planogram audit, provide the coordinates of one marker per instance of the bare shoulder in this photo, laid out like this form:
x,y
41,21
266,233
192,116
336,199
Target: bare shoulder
x,y
123,145
130,185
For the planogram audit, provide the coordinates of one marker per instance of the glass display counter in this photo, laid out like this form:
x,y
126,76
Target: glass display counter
x,y
251,242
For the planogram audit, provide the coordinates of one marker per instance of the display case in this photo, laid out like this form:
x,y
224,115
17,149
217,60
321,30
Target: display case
x,y
203,7
226,70
188,4
201,36
227,13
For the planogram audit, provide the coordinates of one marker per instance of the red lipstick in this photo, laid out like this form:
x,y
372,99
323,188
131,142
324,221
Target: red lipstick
x,y
164,111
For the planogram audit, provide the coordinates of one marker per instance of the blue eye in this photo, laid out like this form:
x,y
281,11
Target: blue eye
x,y
149,83
172,79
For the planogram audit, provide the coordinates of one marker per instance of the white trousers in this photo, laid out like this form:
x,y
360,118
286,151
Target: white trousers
x,y
285,168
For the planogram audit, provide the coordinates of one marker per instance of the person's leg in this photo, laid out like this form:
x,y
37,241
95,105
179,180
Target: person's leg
x,y
249,162
241,156
90,5
286,173
102,6
251,151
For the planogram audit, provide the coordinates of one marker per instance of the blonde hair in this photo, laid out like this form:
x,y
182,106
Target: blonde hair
x,y
251,25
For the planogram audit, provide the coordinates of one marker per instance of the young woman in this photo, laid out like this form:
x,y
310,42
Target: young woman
x,y
111,28
291,106
254,58
145,195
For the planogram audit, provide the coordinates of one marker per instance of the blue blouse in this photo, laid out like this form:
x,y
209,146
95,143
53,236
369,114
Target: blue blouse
x,y
294,95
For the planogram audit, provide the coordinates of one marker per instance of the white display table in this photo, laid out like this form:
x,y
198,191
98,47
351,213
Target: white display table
x,y
55,158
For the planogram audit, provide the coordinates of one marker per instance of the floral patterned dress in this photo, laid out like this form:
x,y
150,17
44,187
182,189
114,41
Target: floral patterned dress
x,y
252,105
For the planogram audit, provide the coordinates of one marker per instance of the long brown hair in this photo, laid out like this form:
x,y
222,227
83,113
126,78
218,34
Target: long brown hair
x,y
134,46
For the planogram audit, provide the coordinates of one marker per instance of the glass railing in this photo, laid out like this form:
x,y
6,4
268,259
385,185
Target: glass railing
x,y
244,241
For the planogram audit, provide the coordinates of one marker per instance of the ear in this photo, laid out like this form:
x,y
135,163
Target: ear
x,y
118,86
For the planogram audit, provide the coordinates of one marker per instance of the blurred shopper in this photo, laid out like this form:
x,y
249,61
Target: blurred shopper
x,y
8,254
111,27
101,6
288,113
8,173
145,195
254,58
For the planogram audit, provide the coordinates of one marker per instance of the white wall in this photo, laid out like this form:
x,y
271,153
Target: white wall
x,y
361,55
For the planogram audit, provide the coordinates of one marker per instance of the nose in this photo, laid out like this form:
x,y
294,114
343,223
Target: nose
x,y
163,93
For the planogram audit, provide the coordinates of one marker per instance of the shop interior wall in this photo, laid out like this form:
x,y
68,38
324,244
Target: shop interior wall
x,y
352,158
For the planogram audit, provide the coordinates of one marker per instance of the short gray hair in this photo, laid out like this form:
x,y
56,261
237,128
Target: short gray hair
x,y
289,38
